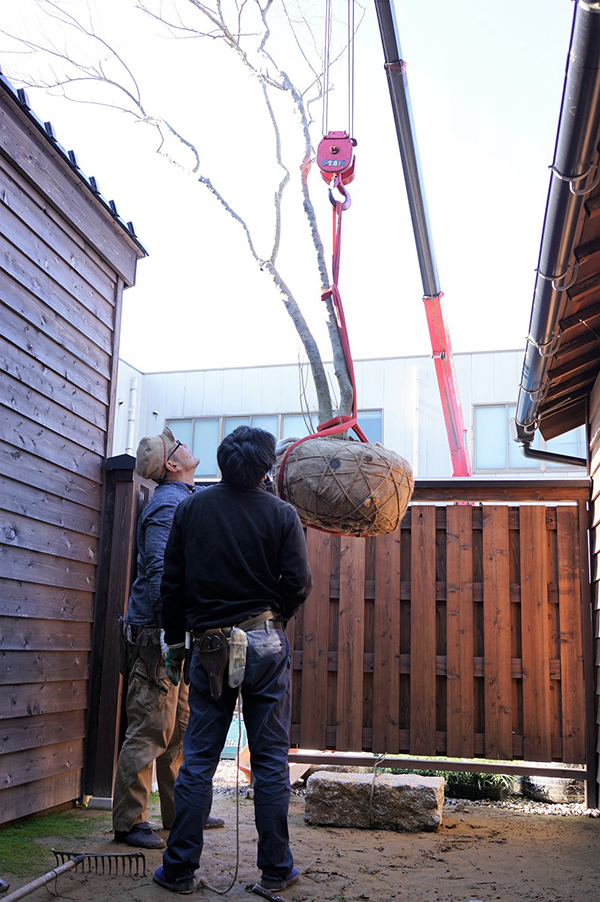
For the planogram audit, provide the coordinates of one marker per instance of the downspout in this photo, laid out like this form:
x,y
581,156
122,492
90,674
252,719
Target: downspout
x,y
572,177
550,456
131,418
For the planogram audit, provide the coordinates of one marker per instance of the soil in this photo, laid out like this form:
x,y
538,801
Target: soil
x,y
481,852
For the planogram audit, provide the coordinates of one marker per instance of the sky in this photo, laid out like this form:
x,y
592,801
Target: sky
x,y
485,81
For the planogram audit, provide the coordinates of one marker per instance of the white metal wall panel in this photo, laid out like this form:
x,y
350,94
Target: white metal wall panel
x,y
405,389
194,388
370,383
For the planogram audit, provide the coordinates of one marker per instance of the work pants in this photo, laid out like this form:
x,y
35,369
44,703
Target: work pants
x,y
266,695
157,717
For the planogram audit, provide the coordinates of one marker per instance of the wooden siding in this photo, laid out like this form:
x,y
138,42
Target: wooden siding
x,y
594,461
63,263
462,634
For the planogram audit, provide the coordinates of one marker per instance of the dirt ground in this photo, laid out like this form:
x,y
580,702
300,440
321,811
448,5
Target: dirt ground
x,y
479,853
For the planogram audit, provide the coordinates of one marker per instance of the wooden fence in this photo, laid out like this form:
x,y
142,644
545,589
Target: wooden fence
x,y
462,634
466,633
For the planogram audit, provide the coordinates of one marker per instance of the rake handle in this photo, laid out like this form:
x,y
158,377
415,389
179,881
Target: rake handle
x,y
43,880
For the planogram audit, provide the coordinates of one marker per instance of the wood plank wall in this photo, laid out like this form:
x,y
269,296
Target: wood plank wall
x,y
594,452
60,300
461,634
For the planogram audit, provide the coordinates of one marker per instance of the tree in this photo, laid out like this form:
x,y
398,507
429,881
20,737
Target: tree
x,y
72,56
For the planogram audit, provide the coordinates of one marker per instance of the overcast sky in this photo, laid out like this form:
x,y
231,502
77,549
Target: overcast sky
x,y
485,81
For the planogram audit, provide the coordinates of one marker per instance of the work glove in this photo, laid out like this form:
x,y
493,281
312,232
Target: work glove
x,y
175,658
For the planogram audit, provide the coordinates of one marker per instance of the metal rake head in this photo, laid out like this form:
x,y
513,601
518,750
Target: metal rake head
x,y
132,863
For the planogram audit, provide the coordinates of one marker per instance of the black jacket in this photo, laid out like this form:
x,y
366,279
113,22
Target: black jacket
x,y
232,553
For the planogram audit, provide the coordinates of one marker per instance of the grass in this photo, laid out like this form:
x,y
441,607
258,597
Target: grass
x,y
25,846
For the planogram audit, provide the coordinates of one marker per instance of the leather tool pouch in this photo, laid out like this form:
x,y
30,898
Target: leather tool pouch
x,y
150,651
213,653
238,643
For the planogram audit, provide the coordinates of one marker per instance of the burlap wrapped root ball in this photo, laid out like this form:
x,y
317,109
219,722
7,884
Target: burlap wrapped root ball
x,y
346,486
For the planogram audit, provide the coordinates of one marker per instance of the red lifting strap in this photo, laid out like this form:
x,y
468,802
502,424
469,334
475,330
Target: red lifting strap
x,y
341,423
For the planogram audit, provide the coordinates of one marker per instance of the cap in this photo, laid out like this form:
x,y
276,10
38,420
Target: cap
x,y
152,454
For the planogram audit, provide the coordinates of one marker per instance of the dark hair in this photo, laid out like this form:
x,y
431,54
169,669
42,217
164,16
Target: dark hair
x,y
245,456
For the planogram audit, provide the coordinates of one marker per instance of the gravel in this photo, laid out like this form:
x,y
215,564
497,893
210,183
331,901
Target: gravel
x,y
572,809
224,781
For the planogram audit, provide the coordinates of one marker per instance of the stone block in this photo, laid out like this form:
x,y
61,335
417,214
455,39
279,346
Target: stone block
x,y
553,790
402,802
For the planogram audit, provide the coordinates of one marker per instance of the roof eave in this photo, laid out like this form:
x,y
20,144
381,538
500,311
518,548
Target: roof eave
x,y
572,175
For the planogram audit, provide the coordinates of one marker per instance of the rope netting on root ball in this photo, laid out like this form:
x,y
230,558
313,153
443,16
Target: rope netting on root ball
x,y
346,487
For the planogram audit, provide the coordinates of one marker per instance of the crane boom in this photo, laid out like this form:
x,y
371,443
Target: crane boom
x,y
432,295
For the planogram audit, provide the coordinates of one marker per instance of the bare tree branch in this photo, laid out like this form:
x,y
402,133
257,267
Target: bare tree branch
x,y
248,35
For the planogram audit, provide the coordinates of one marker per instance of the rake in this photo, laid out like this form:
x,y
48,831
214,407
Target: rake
x,y
133,863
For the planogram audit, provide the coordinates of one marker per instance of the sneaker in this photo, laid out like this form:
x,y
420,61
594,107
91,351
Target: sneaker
x,y
184,885
275,884
211,823
141,835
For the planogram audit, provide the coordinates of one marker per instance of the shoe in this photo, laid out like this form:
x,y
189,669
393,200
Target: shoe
x,y
276,884
141,835
184,885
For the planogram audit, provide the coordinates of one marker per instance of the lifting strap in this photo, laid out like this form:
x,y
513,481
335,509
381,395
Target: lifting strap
x,y
340,423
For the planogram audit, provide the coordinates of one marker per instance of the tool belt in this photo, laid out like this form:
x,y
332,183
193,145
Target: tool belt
x,y
212,646
143,642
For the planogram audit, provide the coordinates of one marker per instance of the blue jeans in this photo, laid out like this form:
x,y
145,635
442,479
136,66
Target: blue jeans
x,y
266,695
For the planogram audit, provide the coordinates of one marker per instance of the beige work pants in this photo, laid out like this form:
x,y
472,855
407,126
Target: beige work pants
x,y
157,716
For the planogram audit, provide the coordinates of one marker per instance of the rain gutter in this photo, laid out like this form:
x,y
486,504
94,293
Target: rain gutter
x,y
573,176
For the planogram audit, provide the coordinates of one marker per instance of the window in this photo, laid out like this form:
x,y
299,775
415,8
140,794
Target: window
x,y
370,422
268,423
203,434
295,425
496,450
571,443
204,444
231,423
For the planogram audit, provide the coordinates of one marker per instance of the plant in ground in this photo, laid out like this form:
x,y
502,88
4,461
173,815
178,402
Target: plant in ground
x,y
476,782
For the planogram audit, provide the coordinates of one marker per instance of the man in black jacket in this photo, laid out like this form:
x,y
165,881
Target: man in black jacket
x,y
236,557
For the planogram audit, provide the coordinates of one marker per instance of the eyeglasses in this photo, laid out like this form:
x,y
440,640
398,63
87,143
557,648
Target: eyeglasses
x,y
173,450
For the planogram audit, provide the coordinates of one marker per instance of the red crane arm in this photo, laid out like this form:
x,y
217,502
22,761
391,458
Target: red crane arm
x,y
438,330
448,386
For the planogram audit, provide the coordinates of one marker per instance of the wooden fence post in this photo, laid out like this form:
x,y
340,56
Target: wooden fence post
x,y
125,494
